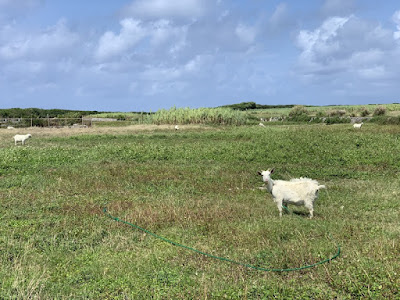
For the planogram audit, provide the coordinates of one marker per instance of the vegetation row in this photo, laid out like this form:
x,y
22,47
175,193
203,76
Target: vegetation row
x,y
239,114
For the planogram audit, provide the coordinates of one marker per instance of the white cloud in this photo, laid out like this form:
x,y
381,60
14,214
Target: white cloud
x,y
166,8
46,44
321,37
49,43
148,36
321,42
375,72
368,57
246,34
396,20
346,44
111,44
353,56
163,31
195,64
162,73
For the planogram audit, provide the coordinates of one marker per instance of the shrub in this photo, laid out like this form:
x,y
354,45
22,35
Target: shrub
x,y
298,110
364,112
337,120
336,113
301,118
380,111
384,120
315,120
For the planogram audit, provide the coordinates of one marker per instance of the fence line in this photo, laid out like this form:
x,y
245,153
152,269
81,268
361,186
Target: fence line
x,y
45,122
62,122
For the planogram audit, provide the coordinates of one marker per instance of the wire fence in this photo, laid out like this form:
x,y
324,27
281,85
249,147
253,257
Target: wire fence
x,y
218,116
71,122
44,122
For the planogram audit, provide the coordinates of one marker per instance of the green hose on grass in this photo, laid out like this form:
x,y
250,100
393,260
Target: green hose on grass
x,y
224,258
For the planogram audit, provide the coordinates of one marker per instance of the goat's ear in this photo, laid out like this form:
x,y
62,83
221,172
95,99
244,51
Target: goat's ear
x,y
259,173
272,170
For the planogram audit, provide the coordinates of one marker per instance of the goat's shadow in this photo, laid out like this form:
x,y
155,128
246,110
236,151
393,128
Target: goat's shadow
x,y
298,213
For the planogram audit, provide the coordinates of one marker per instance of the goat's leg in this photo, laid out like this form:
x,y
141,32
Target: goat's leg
x,y
311,210
279,203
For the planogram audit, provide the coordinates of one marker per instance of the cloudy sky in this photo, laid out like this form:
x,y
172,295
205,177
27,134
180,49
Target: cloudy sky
x,y
144,55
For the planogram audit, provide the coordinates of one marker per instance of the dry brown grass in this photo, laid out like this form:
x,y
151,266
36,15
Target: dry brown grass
x,y
6,135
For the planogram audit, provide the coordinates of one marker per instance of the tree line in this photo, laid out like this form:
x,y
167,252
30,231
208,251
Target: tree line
x,y
253,105
43,113
64,113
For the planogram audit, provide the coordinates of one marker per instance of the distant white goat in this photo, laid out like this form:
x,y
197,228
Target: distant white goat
x,y
21,138
10,127
358,125
176,127
299,191
261,124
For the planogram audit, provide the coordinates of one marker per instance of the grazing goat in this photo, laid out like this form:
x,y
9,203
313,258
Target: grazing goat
x,y
358,125
176,127
299,191
21,138
261,124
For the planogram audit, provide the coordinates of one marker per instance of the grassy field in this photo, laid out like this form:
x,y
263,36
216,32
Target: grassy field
x,y
199,187
375,113
392,110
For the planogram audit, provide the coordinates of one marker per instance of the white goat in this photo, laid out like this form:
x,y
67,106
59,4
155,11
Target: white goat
x,y
10,127
358,125
261,124
21,138
299,191
176,127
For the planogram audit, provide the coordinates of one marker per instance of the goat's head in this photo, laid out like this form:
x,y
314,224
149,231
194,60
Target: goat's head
x,y
266,175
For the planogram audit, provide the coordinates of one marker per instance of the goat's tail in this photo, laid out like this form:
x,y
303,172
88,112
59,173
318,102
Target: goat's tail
x,y
321,187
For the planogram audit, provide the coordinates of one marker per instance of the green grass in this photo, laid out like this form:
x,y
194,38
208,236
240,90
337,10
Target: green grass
x,y
391,110
174,115
199,188
228,116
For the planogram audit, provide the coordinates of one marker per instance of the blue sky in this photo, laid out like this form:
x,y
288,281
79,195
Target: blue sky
x,y
144,55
